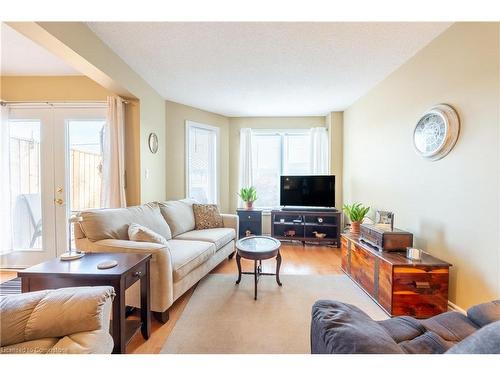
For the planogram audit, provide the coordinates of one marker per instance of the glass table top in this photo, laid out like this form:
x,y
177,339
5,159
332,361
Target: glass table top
x,y
258,244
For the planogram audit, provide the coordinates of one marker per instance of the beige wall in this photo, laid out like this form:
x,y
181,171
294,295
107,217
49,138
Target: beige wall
x,y
451,205
335,124
236,123
51,88
177,115
80,48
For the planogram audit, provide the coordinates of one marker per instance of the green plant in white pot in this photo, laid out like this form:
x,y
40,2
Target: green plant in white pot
x,y
248,195
356,212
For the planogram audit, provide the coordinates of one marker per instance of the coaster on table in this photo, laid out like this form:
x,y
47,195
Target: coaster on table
x,y
107,264
71,255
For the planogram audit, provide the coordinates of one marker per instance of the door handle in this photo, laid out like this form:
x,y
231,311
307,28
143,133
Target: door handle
x,y
59,201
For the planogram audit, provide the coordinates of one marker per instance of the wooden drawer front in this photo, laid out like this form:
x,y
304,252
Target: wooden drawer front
x,y
345,255
249,216
134,275
385,285
420,292
363,268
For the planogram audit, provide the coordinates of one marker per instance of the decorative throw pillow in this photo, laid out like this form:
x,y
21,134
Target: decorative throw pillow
x,y
207,216
137,232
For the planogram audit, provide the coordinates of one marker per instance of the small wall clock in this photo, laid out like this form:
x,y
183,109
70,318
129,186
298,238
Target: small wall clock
x,y
436,132
153,143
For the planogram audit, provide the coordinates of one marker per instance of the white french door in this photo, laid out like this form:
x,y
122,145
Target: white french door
x,y
54,161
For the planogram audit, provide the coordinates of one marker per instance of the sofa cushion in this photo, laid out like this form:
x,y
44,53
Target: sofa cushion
x,y
218,236
451,326
403,328
179,215
52,313
137,232
39,346
428,343
340,328
187,255
207,216
484,341
112,223
485,313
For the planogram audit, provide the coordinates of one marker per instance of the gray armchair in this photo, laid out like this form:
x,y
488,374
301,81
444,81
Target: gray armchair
x,y
340,328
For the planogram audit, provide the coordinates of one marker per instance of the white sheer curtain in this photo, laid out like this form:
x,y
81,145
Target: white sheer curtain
x,y
5,214
113,169
319,150
246,178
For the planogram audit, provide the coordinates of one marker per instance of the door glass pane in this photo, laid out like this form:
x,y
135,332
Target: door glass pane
x,y
202,182
25,186
85,163
266,168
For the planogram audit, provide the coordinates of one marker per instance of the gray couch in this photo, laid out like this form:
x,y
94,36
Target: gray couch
x,y
340,328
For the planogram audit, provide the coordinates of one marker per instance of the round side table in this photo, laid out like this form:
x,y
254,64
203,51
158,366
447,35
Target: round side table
x,y
258,248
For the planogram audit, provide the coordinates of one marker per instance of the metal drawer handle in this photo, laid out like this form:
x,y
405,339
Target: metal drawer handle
x,y
138,274
422,284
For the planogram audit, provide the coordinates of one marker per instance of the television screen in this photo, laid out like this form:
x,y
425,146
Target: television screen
x,y
314,191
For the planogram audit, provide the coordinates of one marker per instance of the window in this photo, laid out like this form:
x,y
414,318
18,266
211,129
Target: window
x,y
201,162
277,153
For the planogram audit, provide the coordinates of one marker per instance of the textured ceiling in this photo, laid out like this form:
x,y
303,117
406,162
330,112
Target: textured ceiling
x,y
22,56
265,69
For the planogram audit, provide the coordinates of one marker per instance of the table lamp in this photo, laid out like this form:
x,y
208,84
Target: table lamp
x,y
70,254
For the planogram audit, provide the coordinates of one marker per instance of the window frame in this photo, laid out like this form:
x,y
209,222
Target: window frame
x,y
188,126
281,133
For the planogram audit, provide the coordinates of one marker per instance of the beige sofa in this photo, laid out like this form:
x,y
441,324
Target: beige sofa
x,y
65,321
188,256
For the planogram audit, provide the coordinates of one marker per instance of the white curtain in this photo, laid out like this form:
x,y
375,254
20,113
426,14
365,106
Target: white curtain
x,y
5,212
319,151
246,178
113,169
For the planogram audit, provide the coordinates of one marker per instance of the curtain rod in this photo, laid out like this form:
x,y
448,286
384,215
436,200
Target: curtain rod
x,y
6,102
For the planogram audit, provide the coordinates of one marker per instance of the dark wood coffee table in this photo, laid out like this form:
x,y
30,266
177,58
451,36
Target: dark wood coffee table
x,y
258,248
58,273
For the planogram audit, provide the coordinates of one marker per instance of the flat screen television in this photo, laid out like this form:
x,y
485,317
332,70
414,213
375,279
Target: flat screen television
x,y
310,191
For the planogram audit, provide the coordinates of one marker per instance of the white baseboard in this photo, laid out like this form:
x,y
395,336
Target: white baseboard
x,y
453,307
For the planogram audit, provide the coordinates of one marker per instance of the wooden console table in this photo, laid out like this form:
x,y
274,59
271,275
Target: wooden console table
x,y
400,286
56,273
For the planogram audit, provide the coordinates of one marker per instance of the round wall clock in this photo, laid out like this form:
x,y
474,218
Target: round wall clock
x,y
436,132
153,143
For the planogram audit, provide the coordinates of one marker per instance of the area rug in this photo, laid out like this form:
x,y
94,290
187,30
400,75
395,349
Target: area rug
x,y
222,317
10,287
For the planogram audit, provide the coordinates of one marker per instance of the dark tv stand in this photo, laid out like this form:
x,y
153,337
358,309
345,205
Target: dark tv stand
x,y
308,209
299,224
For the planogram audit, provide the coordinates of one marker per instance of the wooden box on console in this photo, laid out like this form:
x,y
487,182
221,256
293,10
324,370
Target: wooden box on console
x,y
399,285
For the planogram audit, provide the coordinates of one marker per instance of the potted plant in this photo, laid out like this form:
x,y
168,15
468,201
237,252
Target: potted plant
x,y
356,213
248,195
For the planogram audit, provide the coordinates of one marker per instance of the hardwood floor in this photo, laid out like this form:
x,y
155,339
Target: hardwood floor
x,y
297,260
6,275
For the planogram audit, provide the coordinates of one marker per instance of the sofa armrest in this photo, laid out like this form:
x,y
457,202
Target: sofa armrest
x,y
231,221
340,328
120,246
